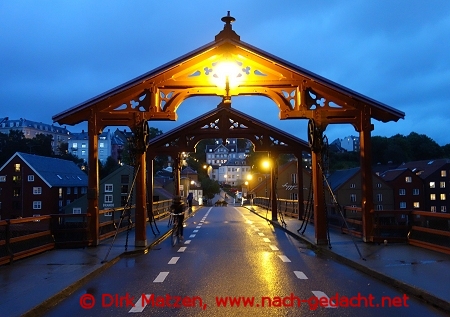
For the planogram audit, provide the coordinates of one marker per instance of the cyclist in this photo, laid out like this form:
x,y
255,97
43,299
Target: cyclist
x,y
177,208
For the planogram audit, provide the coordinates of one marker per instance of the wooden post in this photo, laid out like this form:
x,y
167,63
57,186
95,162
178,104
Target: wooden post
x,y
366,176
300,197
141,202
320,219
92,193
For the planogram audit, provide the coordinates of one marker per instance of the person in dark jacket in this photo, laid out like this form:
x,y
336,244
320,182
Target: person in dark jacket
x,y
190,197
177,208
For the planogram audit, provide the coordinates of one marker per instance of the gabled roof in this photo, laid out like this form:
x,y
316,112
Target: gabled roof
x,y
190,70
338,178
54,172
426,167
390,175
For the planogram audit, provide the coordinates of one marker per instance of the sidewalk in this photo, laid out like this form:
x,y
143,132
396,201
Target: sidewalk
x,y
31,285
415,271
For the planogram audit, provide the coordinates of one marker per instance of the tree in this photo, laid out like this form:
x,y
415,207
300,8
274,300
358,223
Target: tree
x,y
210,187
110,166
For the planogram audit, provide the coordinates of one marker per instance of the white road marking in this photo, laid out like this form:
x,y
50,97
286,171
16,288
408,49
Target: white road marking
x,y
161,277
174,260
266,239
261,234
192,236
187,242
320,294
195,231
300,275
198,227
138,308
181,249
273,247
284,258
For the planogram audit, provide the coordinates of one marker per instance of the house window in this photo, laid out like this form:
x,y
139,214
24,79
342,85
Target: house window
x,y
83,145
379,207
83,190
408,179
416,191
352,185
67,202
353,198
83,152
108,213
432,185
108,188
37,204
379,185
2,179
102,145
74,145
442,184
16,192
75,190
60,203
294,178
17,178
433,208
108,199
443,208
402,192
443,173
402,205
293,196
416,204
68,191
432,196
379,197
60,192
17,167
76,210
37,190
31,178
443,197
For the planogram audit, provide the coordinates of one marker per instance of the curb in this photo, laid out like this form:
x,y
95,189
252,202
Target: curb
x,y
406,288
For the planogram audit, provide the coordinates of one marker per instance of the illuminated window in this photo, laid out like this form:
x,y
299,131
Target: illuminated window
x,y
17,167
432,185
416,204
432,196
442,184
443,173
443,196
443,209
60,192
408,179
433,208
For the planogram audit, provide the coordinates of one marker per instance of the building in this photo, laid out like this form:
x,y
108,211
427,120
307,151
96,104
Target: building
x,y
408,188
347,188
109,144
32,128
435,175
349,144
32,185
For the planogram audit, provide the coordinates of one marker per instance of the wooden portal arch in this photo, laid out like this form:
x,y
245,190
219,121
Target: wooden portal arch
x,y
298,93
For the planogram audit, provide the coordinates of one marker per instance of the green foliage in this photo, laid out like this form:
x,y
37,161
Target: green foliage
x,y
210,187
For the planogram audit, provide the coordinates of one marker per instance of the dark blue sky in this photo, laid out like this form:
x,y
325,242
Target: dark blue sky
x,y
57,54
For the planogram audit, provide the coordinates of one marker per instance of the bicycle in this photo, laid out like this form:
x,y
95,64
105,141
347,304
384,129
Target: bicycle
x,y
176,229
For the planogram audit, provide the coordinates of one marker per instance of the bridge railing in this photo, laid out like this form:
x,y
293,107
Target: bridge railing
x,y
24,237
430,230
421,228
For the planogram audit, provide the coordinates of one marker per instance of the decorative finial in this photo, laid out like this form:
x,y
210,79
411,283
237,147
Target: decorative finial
x,y
227,31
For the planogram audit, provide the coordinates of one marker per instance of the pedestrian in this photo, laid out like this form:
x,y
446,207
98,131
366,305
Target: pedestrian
x,y
177,209
190,197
